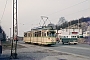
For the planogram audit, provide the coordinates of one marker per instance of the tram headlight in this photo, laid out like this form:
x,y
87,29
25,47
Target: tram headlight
x,y
49,38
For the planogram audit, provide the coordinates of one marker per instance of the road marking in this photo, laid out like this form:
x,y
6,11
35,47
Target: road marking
x,y
77,47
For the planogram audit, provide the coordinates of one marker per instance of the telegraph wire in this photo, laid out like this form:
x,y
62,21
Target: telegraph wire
x,y
77,11
3,11
67,7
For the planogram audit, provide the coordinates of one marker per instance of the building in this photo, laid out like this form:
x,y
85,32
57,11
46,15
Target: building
x,y
77,32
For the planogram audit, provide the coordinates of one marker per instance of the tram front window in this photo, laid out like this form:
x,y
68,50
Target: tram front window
x,y
51,34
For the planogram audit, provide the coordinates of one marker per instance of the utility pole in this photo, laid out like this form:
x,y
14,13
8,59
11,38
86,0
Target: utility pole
x,y
69,27
15,32
78,25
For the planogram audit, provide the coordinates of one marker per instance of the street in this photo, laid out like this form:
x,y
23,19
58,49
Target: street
x,y
54,52
79,49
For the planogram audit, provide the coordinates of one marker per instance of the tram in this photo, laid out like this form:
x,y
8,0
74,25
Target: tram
x,y
42,36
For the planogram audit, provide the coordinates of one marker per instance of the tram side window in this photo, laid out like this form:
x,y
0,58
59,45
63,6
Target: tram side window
x,y
47,33
25,34
28,34
31,35
43,34
39,34
36,34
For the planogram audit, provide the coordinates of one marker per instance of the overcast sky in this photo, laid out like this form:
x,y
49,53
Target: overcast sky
x,y
30,12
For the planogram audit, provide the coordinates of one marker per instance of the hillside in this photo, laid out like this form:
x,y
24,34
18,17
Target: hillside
x,y
83,23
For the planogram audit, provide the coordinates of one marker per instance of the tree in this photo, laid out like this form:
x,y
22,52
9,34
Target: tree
x,y
74,23
61,21
3,33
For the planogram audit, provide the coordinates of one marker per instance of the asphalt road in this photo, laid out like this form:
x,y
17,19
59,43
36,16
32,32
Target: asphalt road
x,y
80,49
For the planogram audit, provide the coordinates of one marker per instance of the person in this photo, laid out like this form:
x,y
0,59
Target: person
x,y
57,39
0,48
1,37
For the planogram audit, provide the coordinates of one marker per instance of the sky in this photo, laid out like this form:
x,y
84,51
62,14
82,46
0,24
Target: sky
x,y
30,12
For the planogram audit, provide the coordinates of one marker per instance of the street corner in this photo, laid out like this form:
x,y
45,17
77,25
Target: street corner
x,y
65,57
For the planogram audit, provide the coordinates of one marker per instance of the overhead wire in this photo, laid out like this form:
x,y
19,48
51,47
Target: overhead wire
x,y
3,11
68,7
77,12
